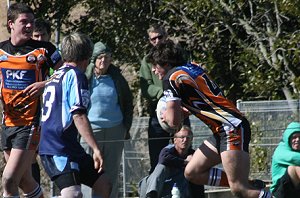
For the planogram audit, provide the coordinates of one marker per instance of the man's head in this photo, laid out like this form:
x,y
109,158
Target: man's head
x,y
20,22
156,34
183,139
42,30
76,47
164,56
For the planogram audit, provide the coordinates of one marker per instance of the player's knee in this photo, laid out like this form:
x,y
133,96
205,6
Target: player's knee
x,y
77,194
294,170
73,194
294,174
8,181
188,175
237,191
72,191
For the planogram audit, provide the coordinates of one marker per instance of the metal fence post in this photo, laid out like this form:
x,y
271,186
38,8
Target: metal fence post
x,y
238,104
124,173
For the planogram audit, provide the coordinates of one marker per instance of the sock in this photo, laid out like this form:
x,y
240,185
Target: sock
x,y
217,177
264,194
36,193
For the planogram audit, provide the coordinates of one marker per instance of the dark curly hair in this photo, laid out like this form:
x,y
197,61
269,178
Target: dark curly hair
x,y
14,10
166,53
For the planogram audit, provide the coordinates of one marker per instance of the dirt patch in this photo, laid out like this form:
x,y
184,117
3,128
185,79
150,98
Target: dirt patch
x,y
3,30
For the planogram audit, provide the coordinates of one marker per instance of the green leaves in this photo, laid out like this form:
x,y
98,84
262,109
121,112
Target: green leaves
x,y
251,48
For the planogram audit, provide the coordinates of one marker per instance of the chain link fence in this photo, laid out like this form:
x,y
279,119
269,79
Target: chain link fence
x,y
268,119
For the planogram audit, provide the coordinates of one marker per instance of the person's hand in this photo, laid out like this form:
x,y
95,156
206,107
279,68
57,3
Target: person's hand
x,y
35,89
185,112
163,116
188,159
98,160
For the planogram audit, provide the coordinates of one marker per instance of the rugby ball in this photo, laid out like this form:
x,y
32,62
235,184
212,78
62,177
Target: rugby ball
x,y
160,109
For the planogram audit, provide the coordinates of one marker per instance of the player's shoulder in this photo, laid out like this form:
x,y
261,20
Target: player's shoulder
x,y
40,44
190,69
3,44
169,73
73,72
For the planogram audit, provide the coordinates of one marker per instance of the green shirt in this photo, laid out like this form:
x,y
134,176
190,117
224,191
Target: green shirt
x,y
151,85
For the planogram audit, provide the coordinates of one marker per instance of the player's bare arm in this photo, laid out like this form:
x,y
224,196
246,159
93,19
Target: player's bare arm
x,y
84,128
173,115
36,89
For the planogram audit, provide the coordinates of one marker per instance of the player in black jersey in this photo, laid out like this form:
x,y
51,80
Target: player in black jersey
x,y
23,65
188,89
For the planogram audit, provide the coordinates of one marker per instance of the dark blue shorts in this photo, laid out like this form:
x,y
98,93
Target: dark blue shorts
x,y
66,172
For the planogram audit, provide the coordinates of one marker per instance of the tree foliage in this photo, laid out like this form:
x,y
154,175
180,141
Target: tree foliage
x,y
250,47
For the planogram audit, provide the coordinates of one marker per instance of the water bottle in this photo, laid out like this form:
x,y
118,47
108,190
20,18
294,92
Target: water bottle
x,y
175,191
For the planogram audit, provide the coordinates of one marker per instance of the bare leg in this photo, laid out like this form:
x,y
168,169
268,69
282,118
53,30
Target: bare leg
x,y
236,165
204,158
18,164
294,173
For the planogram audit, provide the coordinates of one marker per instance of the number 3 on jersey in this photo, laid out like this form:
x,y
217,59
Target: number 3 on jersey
x,y
48,98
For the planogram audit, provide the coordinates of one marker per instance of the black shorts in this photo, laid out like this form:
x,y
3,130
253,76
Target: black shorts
x,y
66,172
20,137
285,188
232,138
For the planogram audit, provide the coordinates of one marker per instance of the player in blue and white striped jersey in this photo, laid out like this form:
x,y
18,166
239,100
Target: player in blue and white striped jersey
x,y
65,103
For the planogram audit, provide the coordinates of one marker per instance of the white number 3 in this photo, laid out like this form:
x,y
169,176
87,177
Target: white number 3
x,y
48,97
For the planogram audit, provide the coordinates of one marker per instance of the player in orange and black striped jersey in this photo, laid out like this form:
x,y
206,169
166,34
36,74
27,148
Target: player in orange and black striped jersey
x,y
21,66
189,90
202,97
24,64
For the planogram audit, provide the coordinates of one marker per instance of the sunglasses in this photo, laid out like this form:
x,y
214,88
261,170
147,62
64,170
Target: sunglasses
x,y
159,37
182,137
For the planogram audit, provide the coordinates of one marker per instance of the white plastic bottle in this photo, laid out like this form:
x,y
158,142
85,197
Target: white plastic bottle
x,y
175,191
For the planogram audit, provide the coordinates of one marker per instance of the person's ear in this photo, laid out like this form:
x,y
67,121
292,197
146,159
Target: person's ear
x,y
10,24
